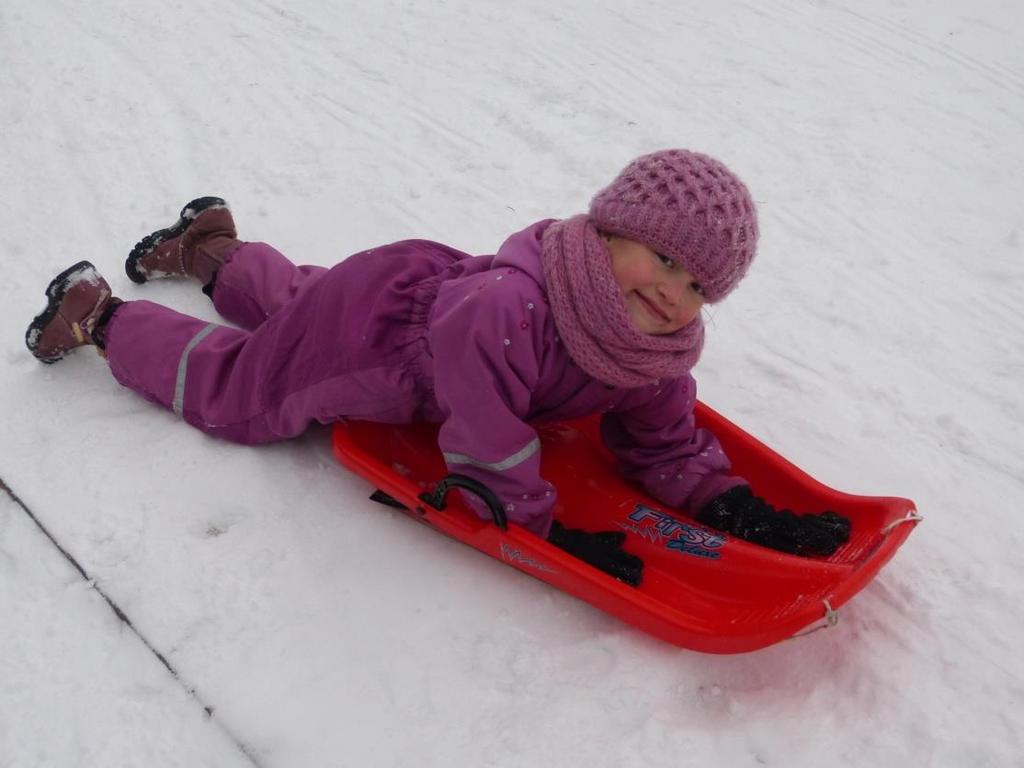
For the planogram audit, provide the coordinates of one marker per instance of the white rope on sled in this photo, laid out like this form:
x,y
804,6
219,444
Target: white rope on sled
x,y
830,619
912,517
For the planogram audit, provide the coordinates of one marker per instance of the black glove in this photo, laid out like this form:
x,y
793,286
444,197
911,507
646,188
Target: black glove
x,y
603,550
739,512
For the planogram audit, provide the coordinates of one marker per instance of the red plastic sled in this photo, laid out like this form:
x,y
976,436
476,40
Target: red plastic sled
x,y
701,589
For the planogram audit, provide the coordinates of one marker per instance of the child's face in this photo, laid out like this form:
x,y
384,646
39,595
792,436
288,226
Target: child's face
x,y
660,295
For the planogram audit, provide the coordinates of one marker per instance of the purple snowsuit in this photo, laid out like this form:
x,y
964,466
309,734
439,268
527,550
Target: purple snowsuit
x,y
411,331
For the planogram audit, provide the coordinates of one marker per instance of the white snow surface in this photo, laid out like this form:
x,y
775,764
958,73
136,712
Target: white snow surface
x,y
878,342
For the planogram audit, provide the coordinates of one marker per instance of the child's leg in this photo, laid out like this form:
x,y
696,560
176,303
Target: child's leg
x,y
327,352
208,374
253,280
256,281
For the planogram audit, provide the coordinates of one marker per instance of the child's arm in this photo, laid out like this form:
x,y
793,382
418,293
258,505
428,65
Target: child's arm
x,y
659,446
654,437
485,366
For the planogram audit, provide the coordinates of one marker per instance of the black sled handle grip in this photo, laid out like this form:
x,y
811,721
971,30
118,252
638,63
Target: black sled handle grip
x,y
437,496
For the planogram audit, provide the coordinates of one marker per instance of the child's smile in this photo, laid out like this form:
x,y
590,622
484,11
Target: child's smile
x,y
660,295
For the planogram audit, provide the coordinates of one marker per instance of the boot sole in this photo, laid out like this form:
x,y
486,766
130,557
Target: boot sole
x,y
146,245
55,293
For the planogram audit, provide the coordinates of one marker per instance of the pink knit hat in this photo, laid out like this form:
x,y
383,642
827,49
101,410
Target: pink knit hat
x,y
686,206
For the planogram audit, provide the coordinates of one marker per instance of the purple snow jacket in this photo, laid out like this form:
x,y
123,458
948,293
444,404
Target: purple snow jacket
x,y
498,366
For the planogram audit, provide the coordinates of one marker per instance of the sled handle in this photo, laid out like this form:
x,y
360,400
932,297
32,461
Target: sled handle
x,y
437,496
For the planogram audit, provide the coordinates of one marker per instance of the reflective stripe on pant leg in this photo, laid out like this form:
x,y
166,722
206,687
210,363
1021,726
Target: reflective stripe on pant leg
x,y
498,466
177,405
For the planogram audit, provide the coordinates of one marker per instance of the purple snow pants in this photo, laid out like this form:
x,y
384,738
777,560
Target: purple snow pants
x,y
313,344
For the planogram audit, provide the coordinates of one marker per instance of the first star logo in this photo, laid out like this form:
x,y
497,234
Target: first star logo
x,y
681,537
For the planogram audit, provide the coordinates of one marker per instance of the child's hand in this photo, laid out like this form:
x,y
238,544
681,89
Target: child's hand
x,y
603,550
739,512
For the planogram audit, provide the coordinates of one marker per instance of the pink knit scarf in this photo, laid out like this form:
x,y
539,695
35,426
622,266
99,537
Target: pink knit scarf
x,y
591,315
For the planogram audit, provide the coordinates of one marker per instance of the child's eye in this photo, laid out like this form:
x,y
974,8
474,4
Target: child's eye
x,y
666,260
697,288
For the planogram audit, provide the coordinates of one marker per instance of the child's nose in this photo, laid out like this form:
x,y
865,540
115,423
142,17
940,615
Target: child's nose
x,y
675,292
683,301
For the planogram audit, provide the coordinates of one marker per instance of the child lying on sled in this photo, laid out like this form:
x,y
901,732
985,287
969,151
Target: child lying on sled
x,y
598,313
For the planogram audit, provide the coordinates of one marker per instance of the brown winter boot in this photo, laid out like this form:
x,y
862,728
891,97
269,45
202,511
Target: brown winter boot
x,y
196,245
79,305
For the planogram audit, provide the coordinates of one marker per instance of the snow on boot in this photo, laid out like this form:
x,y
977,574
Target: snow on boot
x,y
78,303
196,245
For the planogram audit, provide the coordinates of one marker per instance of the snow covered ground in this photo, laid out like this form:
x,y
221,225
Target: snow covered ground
x,y
878,342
